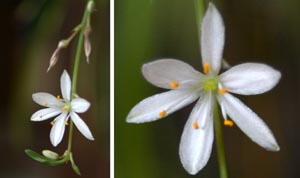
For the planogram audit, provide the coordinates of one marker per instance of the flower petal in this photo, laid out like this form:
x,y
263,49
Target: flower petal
x,y
250,78
46,100
65,84
196,143
249,122
80,105
161,72
45,114
81,125
160,105
58,129
212,38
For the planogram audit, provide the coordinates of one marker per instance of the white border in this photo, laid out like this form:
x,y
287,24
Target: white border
x,y
112,88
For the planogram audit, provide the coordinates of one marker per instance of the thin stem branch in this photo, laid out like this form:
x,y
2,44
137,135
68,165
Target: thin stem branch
x,y
220,142
76,66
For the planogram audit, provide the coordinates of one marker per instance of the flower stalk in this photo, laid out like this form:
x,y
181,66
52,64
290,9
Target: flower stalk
x,y
76,65
66,106
220,142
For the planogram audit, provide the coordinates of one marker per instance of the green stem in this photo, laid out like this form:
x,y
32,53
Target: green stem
x,y
76,66
220,142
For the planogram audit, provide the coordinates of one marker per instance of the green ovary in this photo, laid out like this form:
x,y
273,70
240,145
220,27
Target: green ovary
x,y
210,84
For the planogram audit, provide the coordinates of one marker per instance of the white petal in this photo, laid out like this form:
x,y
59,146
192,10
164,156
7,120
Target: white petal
x,y
46,100
45,114
212,38
80,105
161,72
196,144
250,78
81,125
249,122
65,84
150,108
58,129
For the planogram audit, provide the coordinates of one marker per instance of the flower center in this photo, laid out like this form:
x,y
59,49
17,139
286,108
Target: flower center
x,y
66,107
210,84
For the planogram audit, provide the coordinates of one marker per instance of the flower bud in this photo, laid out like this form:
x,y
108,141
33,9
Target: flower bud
x,y
87,42
50,154
61,44
90,6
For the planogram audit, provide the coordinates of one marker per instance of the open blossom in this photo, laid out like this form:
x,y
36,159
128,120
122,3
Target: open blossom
x,y
187,85
64,108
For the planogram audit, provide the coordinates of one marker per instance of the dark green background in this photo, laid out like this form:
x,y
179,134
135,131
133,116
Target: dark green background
x,y
256,31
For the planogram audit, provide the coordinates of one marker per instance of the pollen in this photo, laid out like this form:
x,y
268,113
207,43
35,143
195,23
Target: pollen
x,y
195,125
58,97
223,91
173,84
45,104
66,123
206,68
52,122
163,113
228,123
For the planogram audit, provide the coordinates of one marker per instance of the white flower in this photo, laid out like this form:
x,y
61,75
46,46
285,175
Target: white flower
x,y
64,108
187,85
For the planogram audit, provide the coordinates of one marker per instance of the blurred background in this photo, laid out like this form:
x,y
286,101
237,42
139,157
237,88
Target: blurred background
x,y
256,31
30,32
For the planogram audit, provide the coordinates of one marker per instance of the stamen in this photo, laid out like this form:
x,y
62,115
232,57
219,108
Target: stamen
x,y
228,123
206,67
66,123
52,122
223,91
40,116
195,125
174,84
58,97
45,104
163,113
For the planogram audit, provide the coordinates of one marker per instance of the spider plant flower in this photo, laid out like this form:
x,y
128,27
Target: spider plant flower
x,y
187,85
64,108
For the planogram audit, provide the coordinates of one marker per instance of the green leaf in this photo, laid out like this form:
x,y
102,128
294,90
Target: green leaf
x,y
42,159
74,166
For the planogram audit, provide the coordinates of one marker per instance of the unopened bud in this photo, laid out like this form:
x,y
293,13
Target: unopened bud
x,y
53,60
50,154
87,44
91,6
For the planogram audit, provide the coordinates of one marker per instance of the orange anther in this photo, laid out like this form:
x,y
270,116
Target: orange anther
x,y
174,84
66,123
58,97
195,125
163,113
228,123
40,116
206,68
223,91
52,122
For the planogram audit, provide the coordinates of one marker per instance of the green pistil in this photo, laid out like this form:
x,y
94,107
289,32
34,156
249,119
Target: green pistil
x,y
66,107
211,84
